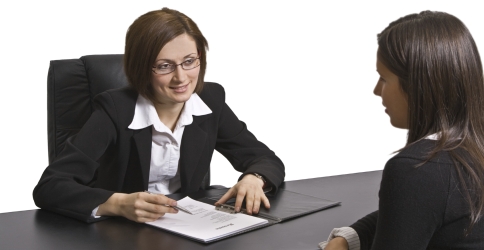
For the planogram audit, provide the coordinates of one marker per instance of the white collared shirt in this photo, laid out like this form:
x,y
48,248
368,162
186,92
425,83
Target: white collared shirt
x,y
165,145
164,176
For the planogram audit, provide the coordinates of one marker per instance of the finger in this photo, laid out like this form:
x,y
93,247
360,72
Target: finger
x,y
255,207
240,198
153,212
140,215
144,216
160,209
249,201
265,201
225,197
154,204
159,199
143,220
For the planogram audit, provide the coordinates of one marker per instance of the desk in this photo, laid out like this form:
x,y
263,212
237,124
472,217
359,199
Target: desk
x,y
39,229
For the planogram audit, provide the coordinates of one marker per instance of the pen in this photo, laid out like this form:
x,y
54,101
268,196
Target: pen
x,y
177,207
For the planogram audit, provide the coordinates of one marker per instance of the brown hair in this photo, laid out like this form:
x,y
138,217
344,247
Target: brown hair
x,y
439,68
145,39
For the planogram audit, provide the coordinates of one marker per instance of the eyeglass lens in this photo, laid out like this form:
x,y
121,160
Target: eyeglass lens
x,y
166,68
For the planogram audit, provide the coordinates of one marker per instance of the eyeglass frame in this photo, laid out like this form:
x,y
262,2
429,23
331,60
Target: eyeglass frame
x,y
176,65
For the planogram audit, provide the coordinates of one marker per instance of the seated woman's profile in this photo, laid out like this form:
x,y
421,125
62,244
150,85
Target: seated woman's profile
x,y
432,191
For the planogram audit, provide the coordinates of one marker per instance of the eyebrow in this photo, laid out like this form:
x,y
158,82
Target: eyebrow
x,y
168,60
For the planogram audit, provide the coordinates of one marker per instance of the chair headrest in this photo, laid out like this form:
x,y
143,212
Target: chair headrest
x,y
72,84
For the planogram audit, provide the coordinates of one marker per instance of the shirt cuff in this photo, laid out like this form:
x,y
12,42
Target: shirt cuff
x,y
94,212
348,233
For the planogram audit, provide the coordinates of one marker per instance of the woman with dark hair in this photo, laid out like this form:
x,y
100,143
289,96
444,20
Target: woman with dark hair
x,y
157,135
432,191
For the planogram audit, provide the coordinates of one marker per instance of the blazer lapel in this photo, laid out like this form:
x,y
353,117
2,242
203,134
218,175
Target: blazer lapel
x,y
142,141
194,141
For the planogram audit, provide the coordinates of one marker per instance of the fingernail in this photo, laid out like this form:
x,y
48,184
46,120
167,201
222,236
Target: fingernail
x,y
173,203
237,209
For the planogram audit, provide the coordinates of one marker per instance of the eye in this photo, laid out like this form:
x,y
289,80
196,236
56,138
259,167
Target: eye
x,y
163,66
189,62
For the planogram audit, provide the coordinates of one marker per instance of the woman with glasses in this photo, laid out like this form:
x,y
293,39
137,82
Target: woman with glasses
x,y
432,191
157,135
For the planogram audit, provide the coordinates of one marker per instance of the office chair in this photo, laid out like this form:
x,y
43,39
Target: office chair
x,y
72,85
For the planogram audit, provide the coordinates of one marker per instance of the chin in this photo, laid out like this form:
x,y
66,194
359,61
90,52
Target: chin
x,y
183,98
399,125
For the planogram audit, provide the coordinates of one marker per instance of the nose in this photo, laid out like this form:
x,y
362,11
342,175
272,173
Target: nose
x,y
377,90
179,74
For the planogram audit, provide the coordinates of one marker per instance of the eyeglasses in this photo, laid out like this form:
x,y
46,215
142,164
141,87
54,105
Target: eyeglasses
x,y
166,68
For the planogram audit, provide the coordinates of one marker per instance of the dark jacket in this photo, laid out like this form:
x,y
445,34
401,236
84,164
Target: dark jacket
x,y
421,207
106,157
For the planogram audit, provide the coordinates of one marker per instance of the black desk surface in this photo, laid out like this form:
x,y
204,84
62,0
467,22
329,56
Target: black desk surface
x,y
39,229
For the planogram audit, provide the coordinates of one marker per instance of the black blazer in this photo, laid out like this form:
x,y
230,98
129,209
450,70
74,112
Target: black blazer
x,y
107,157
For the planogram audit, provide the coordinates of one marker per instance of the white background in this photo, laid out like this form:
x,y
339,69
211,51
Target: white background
x,y
299,73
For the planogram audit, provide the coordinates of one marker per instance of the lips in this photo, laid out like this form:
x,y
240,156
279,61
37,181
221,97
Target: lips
x,y
180,89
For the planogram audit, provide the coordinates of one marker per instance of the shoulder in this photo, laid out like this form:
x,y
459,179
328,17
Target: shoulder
x,y
409,170
118,103
213,94
120,96
418,153
416,158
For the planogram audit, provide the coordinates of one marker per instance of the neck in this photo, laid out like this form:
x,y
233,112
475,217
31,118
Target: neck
x,y
169,113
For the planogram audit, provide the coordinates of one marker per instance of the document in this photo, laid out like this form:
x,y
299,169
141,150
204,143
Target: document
x,y
206,224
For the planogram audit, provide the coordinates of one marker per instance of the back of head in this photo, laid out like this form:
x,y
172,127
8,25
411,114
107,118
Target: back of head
x,y
440,70
145,39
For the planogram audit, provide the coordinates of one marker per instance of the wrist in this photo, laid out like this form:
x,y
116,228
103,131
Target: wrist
x,y
262,180
343,236
341,241
111,206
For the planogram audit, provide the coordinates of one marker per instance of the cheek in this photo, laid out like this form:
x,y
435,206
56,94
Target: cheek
x,y
404,108
193,74
160,80
384,93
401,100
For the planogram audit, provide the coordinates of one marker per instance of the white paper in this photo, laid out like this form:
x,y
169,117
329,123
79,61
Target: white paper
x,y
205,224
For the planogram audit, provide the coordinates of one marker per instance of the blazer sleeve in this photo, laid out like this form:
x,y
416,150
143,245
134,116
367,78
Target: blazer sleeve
x,y
64,185
365,228
245,152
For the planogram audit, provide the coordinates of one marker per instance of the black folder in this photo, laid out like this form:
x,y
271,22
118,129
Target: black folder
x,y
285,205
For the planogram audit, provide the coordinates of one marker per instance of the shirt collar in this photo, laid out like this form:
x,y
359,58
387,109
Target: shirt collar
x,y
434,136
145,113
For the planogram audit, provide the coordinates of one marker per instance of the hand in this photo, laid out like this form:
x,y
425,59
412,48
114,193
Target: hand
x,y
249,187
139,207
338,243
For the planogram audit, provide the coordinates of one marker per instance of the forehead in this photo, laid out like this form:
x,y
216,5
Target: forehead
x,y
380,67
178,48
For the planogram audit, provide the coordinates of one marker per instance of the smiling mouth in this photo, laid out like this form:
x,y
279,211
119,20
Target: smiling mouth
x,y
180,89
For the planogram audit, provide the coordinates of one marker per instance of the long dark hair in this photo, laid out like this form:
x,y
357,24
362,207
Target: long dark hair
x,y
439,68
